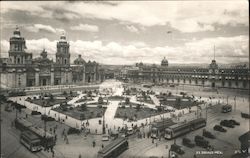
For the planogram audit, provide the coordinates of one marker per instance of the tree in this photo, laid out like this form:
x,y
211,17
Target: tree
x,y
83,107
3,98
51,97
65,93
82,117
89,93
127,101
178,102
169,94
100,100
138,107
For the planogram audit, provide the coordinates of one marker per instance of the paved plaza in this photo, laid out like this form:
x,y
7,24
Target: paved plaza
x,y
81,144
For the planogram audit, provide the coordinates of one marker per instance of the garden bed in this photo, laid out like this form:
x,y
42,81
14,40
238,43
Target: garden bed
x,y
134,114
82,114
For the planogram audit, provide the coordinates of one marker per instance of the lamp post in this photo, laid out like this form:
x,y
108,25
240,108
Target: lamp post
x,y
103,122
235,103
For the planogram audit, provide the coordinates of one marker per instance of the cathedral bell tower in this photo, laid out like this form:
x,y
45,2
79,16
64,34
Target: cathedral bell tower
x,y
62,54
17,52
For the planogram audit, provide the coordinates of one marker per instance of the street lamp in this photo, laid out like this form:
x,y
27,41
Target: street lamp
x,y
103,122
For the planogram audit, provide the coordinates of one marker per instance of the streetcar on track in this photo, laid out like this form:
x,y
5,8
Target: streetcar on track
x,y
31,141
47,139
184,127
159,127
114,149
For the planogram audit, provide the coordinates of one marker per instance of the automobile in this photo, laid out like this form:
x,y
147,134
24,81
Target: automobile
x,y
200,141
187,142
105,138
197,137
208,134
234,122
7,108
226,108
176,148
227,123
245,115
130,131
219,128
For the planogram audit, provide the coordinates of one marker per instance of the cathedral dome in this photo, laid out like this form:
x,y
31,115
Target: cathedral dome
x,y
79,60
164,62
17,33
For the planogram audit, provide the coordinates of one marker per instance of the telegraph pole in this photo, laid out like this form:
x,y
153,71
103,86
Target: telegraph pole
x,y
235,103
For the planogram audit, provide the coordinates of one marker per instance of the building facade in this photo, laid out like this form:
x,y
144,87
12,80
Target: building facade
x,y
22,70
211,76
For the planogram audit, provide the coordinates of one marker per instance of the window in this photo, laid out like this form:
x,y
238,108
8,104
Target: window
x,y
18,60
65,61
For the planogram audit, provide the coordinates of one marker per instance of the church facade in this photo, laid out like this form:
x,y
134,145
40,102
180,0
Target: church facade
x,y
22,70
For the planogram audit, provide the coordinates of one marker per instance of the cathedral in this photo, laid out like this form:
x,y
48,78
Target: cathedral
x,y
21,70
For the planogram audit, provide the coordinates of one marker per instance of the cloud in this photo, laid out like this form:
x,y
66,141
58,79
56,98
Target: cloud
x,y
228,50
185,16
85,27
40,27
132,28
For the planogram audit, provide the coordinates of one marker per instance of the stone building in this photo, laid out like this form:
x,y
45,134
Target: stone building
x,y
22,70
210,76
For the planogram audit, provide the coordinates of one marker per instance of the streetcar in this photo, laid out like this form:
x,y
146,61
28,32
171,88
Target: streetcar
x,y
47,139
113,149
159,127
184,127
31,141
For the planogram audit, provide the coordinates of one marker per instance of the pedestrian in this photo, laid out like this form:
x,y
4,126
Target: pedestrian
x,y
26,116
80,156
152,140
93,143
102,146
156,144
95,131
67,140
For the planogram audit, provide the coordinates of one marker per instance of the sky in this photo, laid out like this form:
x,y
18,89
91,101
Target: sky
x,y
126,32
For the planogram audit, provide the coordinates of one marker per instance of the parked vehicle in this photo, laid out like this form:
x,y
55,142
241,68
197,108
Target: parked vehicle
x,y
105,138
200,141
226,108
219,128
245,115
227,123
208,134
130,131
187,142
234,122
176,148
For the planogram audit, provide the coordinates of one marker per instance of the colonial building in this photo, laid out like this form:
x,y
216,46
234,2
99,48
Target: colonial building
x,y
211,76
22,70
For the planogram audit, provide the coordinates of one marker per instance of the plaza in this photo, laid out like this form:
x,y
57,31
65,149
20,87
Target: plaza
x,y
92,127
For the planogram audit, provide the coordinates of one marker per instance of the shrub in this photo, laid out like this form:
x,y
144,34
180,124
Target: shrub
x,y
73,131
82,117
35,113
83,107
